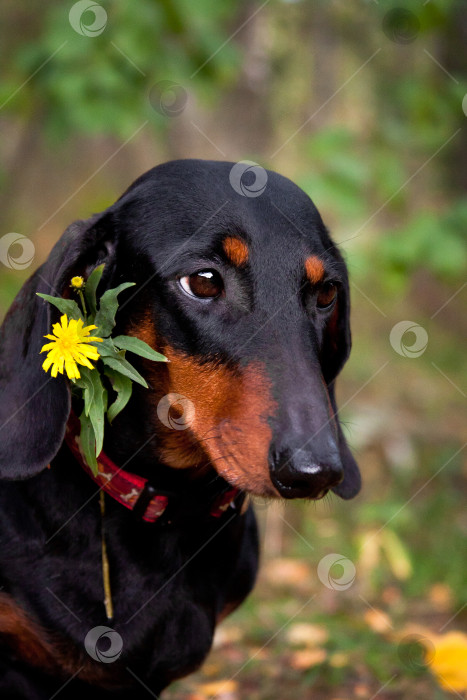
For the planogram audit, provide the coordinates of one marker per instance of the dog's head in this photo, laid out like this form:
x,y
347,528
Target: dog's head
x,y
248,298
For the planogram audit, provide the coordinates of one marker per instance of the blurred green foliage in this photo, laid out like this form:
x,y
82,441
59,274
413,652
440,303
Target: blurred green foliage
x,y
433,240
101,86
358,173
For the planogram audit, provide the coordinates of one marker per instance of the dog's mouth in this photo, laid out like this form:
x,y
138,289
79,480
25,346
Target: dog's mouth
x,y
290,492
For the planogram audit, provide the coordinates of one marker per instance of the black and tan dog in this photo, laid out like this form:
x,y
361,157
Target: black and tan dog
x,y
247,297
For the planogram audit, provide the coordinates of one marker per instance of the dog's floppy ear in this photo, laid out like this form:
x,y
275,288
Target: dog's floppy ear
x,y
34,407
352,482
337,339
335,351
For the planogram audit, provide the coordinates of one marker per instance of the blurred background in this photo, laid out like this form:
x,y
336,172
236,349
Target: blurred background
x,y
364,105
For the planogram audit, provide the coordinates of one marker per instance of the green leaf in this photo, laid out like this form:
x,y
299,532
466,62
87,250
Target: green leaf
x,y
85,383
116,360
108,349
97,409
88,442
66,306
105,399
105,317
94,403
120,364
139,347
91,287
123,386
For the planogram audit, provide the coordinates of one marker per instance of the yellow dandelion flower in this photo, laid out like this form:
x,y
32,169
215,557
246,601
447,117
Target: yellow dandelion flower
x,y
70,345
449,661
77,282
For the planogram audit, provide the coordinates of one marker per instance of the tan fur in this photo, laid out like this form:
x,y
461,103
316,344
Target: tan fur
x,y
314,269
236,250
47,651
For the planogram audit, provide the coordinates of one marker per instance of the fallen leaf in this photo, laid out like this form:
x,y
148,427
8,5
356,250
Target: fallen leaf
x,y
307,658
228,634
287,572
258,653
378,621
339,660
441,596
304,634
220,690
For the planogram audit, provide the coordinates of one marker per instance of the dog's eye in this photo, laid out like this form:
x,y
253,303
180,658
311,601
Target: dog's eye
x,y
326,295
204,284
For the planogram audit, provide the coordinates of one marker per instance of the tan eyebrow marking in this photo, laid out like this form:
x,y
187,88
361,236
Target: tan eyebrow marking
x,y
236,250
314,269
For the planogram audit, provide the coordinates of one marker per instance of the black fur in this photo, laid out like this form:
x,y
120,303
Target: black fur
x,y
169,582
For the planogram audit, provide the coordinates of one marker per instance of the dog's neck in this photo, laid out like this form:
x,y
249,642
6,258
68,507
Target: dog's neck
x,y
132,443
160,492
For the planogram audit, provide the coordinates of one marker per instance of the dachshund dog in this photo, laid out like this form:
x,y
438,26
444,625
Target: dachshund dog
x,y
247,296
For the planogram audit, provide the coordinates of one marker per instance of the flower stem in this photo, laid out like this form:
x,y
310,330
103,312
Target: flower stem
x,y
81,296
109,611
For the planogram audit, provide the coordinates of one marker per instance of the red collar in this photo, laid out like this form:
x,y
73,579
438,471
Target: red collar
x,y
133,491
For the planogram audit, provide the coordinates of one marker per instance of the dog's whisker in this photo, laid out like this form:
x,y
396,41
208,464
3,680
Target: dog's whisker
x,y
214,437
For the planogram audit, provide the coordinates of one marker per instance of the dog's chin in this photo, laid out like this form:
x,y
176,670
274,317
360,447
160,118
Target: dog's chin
x,y
250,484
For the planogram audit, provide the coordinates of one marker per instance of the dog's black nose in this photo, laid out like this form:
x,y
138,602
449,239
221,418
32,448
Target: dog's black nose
x,y
297,474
